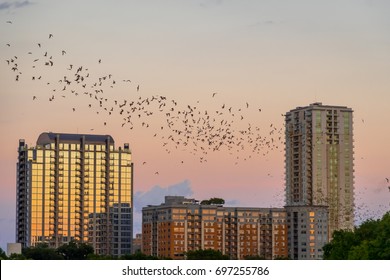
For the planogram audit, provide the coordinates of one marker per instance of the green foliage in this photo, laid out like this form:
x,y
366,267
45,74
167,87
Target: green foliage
x,y
213,201
370,241
75,251
207,254
3,255
340,245
41,252
17,257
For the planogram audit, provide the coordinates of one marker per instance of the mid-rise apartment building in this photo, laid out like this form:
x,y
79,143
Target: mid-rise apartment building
x,y
180,225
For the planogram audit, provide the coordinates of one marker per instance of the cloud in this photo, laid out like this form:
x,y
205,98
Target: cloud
x,y
5,6
232,203
17,4
155,196
22,4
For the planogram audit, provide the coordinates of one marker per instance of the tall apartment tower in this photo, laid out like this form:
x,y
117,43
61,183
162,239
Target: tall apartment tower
x,y
75,187
319,161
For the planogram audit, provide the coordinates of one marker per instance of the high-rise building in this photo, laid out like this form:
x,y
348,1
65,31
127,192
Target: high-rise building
x,y
180,225
319,161
75,187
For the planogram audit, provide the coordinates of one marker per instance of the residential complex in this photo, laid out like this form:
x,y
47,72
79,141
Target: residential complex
x,y
180,225
319,161
319,200
75,187
80,187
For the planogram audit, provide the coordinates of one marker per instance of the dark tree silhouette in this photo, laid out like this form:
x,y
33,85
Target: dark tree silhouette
x,y
213,201
207,254
369,241
3,255
41,252
75,251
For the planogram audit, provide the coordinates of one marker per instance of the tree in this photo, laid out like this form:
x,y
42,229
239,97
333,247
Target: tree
x,y
213,201
208,254
338,248
75,251
3,255
41,251
15,256
370,241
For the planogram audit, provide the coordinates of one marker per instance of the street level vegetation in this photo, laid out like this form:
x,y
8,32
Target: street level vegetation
x,y
207,254
70,251
369,241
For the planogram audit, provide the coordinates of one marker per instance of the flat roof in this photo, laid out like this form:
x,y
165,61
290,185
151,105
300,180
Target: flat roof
x,y
49,137
319,105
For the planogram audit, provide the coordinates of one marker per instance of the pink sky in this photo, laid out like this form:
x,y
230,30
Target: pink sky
x,y
275,56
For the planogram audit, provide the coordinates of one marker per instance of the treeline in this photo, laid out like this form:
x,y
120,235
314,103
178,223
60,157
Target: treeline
x,y
369,241
82,251
70,251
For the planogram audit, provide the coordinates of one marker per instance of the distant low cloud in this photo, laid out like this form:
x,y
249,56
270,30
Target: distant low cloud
x,y
233,202
155,196
14,4
5,5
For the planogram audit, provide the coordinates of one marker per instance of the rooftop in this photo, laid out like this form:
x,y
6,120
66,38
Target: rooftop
x,y
320,106
50,137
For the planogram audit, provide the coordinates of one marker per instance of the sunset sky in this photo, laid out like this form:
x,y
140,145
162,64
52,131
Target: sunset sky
x,y
245,55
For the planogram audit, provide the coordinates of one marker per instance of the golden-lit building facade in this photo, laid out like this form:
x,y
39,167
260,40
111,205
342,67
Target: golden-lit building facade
x,y
180,225
75,187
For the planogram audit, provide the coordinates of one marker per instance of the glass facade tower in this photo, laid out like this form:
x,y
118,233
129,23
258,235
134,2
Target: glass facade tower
x,y
75,187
